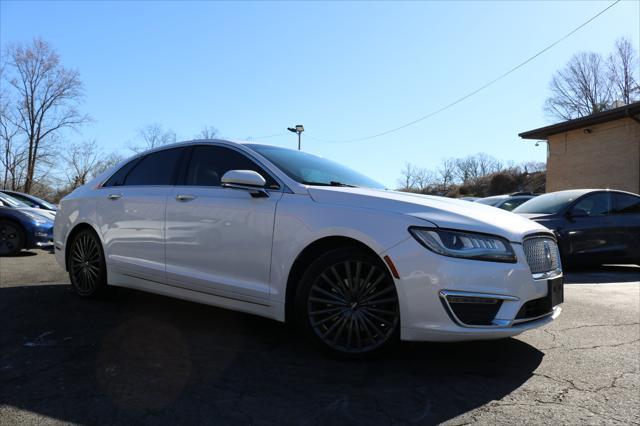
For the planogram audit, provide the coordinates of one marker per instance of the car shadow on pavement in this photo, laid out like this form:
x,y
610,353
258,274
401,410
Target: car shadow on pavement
x,y
603,274
142,358
21,253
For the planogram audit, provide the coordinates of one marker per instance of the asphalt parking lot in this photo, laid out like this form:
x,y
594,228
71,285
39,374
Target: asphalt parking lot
x,y
141,358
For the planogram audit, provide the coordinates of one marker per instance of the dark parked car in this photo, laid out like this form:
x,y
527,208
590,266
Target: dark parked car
x,y
31,200
593,226
22,227
506,202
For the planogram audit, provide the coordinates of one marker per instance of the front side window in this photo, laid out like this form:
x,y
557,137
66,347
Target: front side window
x,y
626,204
9,201
209,163
156,168
25,200
592,205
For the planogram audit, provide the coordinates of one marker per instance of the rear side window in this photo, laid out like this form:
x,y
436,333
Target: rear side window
x,y
209,163
156,168
626,204
117,178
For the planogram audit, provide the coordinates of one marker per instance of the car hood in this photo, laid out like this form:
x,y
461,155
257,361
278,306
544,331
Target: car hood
x,y
47,214
441,211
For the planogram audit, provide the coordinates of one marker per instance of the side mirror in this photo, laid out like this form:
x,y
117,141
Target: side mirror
x,y
247,180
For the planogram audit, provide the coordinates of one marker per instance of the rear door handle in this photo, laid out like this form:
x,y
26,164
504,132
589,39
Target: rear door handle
x,y
114,196
185,197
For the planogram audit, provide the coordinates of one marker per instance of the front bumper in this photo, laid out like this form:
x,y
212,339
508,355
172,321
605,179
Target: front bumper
x,y
428,281
41,236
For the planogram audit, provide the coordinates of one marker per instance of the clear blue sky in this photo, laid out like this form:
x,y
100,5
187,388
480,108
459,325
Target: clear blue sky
x,y
344,70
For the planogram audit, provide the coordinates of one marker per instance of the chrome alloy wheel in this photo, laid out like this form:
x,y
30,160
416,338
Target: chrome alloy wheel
x,y
353,306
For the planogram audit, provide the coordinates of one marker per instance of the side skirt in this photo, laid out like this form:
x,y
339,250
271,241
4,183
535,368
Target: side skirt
x,y
274,310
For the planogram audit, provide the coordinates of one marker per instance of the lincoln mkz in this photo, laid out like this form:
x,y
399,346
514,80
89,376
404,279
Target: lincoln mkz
x,y
299,238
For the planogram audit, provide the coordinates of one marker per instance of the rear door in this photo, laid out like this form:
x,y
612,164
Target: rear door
x,y
219,239
131,215
590,232
626,217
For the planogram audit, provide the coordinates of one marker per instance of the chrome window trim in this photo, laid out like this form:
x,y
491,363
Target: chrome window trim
x,y
246,152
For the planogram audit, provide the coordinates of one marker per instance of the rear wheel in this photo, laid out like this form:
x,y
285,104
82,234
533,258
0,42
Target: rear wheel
x,y
87,268
11,238
347,302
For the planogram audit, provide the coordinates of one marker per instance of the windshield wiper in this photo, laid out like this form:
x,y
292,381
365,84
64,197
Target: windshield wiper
x,y
332,183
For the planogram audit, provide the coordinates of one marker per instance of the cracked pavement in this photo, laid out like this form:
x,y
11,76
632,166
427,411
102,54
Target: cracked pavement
x,y
146,359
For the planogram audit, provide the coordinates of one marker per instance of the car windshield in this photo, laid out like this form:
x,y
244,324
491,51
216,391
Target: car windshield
x,y
311,169
9,201
549,203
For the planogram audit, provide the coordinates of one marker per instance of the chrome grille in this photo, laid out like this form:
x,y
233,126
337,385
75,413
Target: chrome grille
x,y
542,254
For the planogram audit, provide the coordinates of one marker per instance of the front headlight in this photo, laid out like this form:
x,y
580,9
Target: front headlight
x,y
466,245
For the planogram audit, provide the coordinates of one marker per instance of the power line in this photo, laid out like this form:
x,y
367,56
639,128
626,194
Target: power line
x,y
470,94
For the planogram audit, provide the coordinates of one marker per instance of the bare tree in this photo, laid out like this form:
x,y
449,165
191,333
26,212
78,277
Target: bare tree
x,y
152,136
415,179
46,99
580,89
13,152
106,163
623,71
446,173
207,132
80,160
407,179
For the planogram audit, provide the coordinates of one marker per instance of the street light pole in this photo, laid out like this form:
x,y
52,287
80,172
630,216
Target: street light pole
x,y
298,129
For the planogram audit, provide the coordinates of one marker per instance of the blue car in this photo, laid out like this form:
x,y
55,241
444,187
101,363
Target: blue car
x,y
22,227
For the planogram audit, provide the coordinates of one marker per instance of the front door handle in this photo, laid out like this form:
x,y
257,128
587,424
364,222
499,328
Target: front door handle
x,y
114,196
185,197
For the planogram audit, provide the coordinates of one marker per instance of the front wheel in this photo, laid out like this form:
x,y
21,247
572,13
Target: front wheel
x,y
347,302
87,268
11,238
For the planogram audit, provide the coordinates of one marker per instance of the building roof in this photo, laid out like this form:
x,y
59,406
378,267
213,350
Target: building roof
x,y
630,110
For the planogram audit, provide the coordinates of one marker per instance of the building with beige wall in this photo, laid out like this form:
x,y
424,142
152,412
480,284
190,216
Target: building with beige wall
x,y
597,151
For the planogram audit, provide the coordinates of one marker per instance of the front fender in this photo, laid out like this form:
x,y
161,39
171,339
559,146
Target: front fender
x,y
300,221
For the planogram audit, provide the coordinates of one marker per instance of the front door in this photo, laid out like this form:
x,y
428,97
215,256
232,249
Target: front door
x,y
590,232
218,240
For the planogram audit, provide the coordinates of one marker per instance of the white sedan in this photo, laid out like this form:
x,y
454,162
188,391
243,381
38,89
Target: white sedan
x,y
296,237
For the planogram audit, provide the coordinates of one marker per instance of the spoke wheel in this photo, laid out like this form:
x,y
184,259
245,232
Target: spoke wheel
x,y
86,264
352,305
11,238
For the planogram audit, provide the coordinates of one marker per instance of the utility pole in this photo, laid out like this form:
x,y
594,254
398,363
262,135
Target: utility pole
x,y
298,129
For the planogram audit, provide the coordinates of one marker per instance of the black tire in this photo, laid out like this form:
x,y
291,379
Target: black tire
x,y
347,303
86,265
12,238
